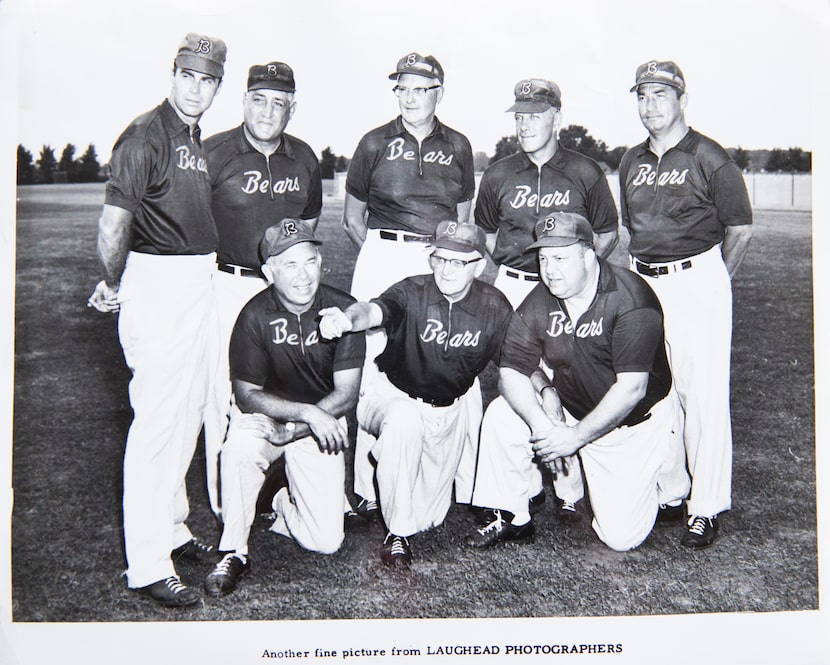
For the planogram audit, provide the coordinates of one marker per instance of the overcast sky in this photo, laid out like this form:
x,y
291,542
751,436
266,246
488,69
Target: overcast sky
x,y
86,68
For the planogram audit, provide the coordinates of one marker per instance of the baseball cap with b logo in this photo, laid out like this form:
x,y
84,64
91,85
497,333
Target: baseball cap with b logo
x,y
202,54
535,96
655,71
273,76
285,234
460,237
420,65
560,229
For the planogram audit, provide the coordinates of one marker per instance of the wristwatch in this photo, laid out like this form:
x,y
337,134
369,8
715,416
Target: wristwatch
x,y
290,426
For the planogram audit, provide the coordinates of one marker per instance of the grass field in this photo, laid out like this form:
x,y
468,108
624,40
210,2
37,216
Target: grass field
x,y
72,413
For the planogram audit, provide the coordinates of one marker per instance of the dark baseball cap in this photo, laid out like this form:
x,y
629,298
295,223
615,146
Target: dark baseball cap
x,y
560,229
535,96
460,237
273,76
202,54
420,65
285,234
656,71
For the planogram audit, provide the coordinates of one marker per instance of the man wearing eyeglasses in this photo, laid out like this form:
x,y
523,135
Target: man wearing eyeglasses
x,y
403,177
423,410
259,175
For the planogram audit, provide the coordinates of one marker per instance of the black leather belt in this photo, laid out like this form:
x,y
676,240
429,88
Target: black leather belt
x,y
637,421
239,271
515,274
403,236
662,269
435,401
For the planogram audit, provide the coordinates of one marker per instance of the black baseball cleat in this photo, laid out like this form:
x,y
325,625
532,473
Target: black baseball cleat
x,y
195,550
536,502
499,529
354,521
396,552
170,592
368,509
566,512
224,577
670,515
700,532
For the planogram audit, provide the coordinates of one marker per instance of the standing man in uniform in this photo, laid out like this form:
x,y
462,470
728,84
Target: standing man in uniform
x,y
422,411
292,392
686,207
259,175
404,178
514,191
600,330
156,243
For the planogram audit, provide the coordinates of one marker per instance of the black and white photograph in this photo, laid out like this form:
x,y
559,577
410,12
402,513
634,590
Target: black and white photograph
x,y
373,332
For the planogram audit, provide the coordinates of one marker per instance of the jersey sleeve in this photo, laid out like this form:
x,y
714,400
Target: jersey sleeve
x,y
521,349
487,206
350,352
602,211
468,179
314,204
130,169
623,205
728,191
392,303
635,339
359,175
248,354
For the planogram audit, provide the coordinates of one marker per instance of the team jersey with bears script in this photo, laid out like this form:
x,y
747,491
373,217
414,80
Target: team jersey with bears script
x,y
159,173
407,186
252,192
435,348
285,353
678,205
622,331
514,193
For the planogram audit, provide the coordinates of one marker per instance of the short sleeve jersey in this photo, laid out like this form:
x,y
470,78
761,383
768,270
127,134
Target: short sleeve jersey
x,y
514,193
285,353
679,205
408,186
622,331
435,348
159,173
251,191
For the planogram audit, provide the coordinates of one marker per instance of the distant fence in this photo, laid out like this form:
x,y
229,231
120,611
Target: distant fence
x,y
767,191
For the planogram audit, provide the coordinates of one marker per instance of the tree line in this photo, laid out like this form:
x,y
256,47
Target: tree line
x,y
86,168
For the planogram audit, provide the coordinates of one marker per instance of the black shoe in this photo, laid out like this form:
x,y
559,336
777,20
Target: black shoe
x,y
700,532
566,511
368,509
353,521
396,551
195,550
275,480
170,592
499,529
670,515
536,502
223,578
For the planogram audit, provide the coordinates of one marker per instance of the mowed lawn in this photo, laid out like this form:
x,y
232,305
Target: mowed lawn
x,y
71,415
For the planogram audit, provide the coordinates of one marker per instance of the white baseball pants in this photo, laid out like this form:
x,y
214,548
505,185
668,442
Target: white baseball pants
x,y
310,510
630,471
697,311
167,328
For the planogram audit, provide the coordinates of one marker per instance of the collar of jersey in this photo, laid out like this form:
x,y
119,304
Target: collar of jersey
x,y
436,297
396,128
687,144
275,304
284,148
171,121
556,162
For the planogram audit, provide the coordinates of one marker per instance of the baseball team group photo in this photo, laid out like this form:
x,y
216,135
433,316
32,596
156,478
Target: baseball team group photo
x,y
430,384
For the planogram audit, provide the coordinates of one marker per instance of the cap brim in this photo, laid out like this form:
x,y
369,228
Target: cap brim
x,y
552,242
271,85
394,75
660,81
446,243
289,245
198,64
529,107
